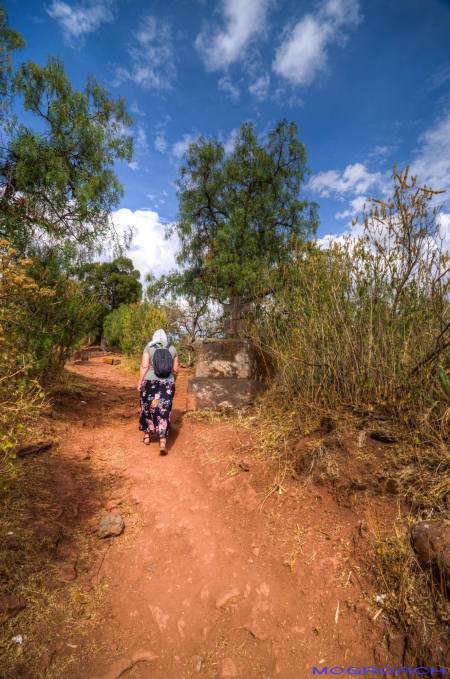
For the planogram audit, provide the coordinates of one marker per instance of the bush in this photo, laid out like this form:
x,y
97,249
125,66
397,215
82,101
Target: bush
x,y
365,323
43,315
131,326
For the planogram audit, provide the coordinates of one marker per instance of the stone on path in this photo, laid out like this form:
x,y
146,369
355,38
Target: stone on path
x,y
225,598
111,525
228,669
431,542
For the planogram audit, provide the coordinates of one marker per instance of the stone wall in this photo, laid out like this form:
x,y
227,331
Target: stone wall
x,y
227,374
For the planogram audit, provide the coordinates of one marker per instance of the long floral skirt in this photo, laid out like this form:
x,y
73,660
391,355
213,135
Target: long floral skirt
x,y
156,406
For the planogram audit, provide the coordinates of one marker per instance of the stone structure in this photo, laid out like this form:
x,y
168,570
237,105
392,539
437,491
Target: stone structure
x,y
227,374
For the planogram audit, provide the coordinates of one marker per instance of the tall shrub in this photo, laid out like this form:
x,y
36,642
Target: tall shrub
x,y
131,326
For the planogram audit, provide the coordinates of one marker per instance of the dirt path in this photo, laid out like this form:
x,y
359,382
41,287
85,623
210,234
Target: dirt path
x,y
210,577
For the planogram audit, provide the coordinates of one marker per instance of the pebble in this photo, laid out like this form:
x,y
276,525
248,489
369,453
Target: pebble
x,y
111,525
225,598
117,668
228,669
144,655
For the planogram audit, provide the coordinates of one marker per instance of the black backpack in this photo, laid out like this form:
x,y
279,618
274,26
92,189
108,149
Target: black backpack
x,y
162,363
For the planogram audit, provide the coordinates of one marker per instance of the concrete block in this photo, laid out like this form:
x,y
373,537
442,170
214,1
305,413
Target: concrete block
x,y
207,392
226,358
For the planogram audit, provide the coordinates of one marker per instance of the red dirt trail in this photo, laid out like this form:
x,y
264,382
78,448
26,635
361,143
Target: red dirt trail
x,y
212,578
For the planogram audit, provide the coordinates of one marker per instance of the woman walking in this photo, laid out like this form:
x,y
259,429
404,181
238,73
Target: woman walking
x,y
159,368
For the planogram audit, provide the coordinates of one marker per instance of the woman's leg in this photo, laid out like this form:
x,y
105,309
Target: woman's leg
x,y
164,411
146,423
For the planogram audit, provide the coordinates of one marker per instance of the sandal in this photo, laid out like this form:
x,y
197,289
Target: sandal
x,y
162,447
146,439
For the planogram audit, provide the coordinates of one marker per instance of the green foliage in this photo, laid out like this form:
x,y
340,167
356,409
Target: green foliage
x,y
10,40
111,284
57,177
366,322
131,326
241,214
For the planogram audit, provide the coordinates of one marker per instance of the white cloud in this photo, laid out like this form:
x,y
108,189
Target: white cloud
x,y
149,250
432,162
180,147
440,77
134,165
354,179
303,52
243,20
141,139
229,143
444,228
152,57
356,206
260,87
81,17
226,85
160,142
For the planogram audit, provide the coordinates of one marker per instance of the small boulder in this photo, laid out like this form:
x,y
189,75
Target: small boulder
x,y
228,669
111,525
383,435
10,605
431,542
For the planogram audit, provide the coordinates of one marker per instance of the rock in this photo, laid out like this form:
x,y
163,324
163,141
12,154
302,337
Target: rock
x,y
111,525
30,448
223,600
431,542
197,662
111,360
244,466
67,572
383,436
228,668
144,655
117,668
11,605
208,392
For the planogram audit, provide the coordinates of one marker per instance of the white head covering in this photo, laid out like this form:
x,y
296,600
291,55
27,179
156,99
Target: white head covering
x,y
159,337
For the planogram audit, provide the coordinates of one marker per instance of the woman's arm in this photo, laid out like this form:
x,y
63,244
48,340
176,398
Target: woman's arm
x,y
175,366
143,369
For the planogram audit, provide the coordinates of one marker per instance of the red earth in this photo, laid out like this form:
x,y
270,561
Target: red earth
x,y
214,575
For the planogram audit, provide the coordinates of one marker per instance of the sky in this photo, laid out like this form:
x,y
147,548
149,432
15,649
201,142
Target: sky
x,y
367,82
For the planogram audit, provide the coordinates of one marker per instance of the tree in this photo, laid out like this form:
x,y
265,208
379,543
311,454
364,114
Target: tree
x,y
111,283
239,215
56,178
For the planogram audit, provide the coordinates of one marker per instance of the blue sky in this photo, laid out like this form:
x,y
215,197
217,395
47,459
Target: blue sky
x,y
367,82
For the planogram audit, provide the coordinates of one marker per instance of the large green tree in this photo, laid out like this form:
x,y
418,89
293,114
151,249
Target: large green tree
x,y
111,284
239,214
57,179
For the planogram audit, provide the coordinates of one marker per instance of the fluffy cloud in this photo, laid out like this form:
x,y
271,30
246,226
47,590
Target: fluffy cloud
x,y
243,20
303,52
149,250
180,147
432,162
231,90
444,224
160,142
81,17
152,57
354,179
355,207
260,87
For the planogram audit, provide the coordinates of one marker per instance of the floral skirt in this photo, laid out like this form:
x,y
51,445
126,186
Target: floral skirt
x,y
156,406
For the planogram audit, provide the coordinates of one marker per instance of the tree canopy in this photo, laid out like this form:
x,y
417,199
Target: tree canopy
x,y
239,214
57,179
112,283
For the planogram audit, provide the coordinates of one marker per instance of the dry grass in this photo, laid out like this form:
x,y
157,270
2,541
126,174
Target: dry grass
x,y
38,537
